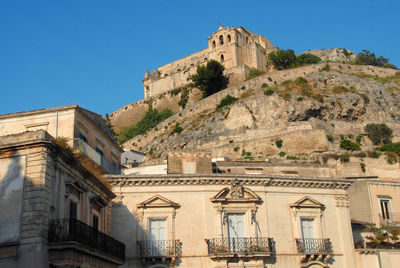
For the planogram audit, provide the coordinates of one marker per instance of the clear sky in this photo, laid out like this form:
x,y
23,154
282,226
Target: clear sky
x,y
95,53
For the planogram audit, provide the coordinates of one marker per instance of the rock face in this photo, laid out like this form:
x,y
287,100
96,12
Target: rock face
x,y
334,54
301,112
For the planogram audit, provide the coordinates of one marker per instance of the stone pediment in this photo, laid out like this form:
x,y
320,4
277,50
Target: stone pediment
x,y
158,201
236,193
307,202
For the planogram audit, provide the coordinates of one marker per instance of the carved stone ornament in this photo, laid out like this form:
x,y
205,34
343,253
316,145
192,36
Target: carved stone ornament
x,y
342,201
237,190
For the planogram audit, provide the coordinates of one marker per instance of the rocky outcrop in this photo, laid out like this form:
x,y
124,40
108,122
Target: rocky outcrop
x,y
334,54
339,101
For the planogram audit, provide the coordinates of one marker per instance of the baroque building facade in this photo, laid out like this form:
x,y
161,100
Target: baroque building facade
x,y
238,49
192,217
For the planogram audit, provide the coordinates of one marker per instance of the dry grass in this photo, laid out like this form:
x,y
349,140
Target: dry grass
x,y
93,168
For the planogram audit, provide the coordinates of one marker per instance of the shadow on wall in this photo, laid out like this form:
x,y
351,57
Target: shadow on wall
x,y
128,229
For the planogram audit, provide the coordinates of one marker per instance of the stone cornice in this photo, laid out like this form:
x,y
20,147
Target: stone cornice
x,y
223,179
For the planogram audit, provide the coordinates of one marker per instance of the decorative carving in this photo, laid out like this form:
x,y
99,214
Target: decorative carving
x,y
237,190
343,201
179,179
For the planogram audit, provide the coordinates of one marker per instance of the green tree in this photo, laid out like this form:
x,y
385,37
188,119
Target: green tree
x,y
282,59
307,58
379,133
369,58
210,78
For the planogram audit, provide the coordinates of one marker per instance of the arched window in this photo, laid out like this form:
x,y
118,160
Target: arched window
x,y
221,40
213,44
229,38
222,58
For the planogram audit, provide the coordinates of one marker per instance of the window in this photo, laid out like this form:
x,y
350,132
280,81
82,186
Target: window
x,y
236,232
385,208
83,137
221,40
247,39
213,44
307,228
157,237
189,168
73,208
222,58
95,222
229,38
101,153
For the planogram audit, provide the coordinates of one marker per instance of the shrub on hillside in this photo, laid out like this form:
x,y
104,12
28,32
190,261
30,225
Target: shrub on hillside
x,y
210,78
379,133
151,119
279,143
307,58
391,147
368,58
254,73
225,101
282,59
349,145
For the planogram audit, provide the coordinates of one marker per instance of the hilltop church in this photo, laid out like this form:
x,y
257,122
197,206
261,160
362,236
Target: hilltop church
x,y
238,49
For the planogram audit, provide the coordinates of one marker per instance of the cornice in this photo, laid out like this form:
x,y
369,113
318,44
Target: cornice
x,y
223,179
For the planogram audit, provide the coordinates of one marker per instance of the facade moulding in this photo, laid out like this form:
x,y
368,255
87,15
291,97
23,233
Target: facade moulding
x,y
179,179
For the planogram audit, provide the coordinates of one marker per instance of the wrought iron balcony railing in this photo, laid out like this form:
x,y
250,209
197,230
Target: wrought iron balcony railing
x,y
247,245
392,218
159,248
314,246
72,230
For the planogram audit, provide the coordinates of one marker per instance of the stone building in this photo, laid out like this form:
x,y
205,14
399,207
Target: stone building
x,y
83,130
55,211
192,217
55,205
237,49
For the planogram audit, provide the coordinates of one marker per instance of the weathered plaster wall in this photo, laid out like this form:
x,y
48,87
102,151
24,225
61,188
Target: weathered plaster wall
x,y
12,172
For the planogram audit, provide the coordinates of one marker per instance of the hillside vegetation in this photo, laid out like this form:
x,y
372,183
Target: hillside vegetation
x,y
317,112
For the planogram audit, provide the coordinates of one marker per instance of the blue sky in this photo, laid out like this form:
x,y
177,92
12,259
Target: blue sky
x,y
95,53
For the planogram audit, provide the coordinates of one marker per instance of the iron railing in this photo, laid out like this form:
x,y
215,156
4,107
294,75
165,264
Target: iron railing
x,y
72,230
249,245
159,248
391,218
313,245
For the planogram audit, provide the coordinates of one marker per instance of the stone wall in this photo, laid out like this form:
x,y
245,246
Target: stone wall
x,y
201,161
232,47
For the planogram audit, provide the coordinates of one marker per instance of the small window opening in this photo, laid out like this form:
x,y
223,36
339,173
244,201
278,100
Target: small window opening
x,y
247,39
73,208
221,40
213,44
222,58
229,38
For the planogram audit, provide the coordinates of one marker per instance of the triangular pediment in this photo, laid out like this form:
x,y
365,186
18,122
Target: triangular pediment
x,y
307,202
158,201
236,193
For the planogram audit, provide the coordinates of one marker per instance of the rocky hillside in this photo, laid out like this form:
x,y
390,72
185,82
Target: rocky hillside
x,y
293,114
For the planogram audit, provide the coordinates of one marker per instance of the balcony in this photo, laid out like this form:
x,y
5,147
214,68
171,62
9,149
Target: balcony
x,y
392,219
239,247
72,233
167,250
99,159
314,249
